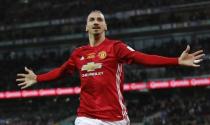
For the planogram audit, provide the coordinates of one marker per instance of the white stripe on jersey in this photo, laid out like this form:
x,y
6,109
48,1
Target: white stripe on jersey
x,y
131,49
118,81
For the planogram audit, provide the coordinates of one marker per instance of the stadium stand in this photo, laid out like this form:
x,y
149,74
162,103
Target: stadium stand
x,y
42,34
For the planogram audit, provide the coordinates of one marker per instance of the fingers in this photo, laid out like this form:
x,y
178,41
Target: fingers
x,y
197,61
24,80
196,65
23,83
25,75
197,52
199,56
187,49
27,70
20,80
21,75
26,86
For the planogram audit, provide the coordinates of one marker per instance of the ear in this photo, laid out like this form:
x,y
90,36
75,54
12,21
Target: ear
x,y
86,28
105,27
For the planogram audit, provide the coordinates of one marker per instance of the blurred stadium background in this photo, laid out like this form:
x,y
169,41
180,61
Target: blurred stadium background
x,y
41,34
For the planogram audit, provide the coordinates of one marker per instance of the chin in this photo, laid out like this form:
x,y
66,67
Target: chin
x,y
96,34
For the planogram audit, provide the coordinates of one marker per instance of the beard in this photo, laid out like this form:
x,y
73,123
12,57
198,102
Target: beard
x,y
96,32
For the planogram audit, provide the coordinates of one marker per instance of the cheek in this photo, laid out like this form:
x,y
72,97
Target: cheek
x,y
88,27
104,26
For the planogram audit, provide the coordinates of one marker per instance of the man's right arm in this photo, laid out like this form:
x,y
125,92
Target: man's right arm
x,y
57,72
30,78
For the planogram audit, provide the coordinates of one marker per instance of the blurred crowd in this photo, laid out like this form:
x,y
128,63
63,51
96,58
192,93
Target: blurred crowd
x,y
187,106
171,107
28,10
150,107
21,13
38,111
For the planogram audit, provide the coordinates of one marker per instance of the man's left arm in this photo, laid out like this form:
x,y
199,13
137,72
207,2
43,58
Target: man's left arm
x,y
128,55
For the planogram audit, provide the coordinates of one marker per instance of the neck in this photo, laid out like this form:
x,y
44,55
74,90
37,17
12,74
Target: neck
x,y
95,40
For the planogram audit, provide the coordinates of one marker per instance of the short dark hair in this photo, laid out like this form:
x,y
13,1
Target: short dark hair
x,y
95,11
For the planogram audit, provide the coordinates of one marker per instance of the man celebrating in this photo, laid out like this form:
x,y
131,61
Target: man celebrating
x,y
100,65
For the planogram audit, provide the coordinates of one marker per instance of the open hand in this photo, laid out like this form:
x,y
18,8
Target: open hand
x,y
26,80
191,59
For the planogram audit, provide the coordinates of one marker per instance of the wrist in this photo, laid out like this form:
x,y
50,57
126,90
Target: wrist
x,y
179,61
36,78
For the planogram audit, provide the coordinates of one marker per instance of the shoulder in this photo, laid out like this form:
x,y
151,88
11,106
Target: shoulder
x,y
121,45
79,49
115,42
118,43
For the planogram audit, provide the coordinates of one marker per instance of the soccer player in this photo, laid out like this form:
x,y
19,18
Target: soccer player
x,y
100,65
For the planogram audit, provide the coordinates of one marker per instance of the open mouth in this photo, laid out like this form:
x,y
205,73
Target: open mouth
x,y
96,28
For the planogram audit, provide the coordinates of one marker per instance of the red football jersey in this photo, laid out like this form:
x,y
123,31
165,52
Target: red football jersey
x,y
102,77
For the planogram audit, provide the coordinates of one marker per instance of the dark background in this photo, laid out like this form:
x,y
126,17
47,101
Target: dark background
x,y
41,34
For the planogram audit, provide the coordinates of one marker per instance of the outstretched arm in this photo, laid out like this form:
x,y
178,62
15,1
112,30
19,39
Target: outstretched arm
x,y
129,55
30,78
57,72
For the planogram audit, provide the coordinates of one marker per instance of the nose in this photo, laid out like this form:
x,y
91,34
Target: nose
x,y
95,24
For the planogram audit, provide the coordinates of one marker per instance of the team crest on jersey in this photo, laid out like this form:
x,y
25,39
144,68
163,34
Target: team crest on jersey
x,y
91,66
102,54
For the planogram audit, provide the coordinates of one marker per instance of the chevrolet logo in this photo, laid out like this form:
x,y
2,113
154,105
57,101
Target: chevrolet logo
x,y
91,66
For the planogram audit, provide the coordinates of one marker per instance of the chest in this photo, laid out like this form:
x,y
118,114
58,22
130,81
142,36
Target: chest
x,y
92,59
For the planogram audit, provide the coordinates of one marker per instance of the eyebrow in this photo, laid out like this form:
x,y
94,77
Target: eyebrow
x,y
100,18
91,18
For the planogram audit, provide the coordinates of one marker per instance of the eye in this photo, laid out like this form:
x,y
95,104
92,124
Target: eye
x,y
91,19
100,19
